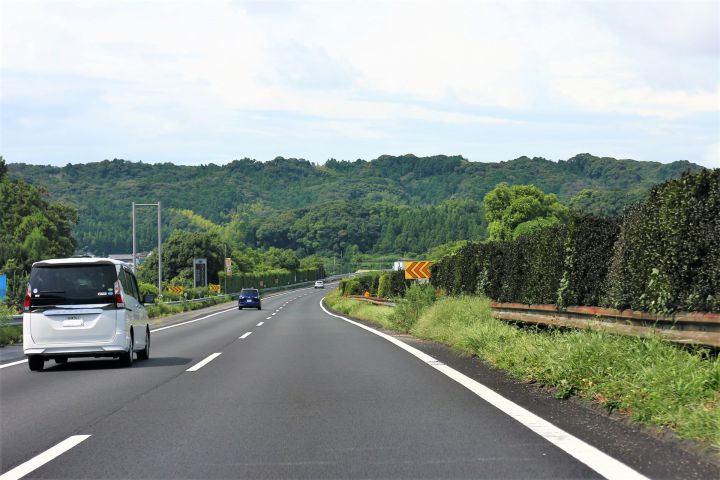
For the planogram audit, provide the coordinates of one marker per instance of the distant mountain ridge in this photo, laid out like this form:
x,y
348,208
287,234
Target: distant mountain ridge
x,y
103,191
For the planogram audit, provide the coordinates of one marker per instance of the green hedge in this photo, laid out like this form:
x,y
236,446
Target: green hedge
x,y
526,270
668,254
660,256
383,284
271,278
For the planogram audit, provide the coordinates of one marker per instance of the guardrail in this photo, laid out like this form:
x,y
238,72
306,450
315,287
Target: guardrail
x,y
683,327
373,300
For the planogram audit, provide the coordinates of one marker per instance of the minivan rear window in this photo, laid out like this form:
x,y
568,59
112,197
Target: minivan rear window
x,y
72,285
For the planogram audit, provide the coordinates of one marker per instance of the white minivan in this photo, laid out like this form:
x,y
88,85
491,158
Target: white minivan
x,y
84,307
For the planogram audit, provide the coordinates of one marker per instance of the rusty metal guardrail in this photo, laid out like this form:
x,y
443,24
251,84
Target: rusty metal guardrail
x,y
373,300
682,327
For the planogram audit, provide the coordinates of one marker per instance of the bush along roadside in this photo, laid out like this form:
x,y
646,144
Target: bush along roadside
x,y
9,334
162,309
660,256
649,380
377,284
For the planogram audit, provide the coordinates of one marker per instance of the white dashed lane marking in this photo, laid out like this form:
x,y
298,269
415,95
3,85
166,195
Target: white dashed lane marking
x,y
209,359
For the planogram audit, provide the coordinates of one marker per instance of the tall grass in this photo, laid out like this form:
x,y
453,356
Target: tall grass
x,y
378,314
649,379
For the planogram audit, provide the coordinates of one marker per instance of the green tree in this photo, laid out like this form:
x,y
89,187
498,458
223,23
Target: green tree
x,y
515,210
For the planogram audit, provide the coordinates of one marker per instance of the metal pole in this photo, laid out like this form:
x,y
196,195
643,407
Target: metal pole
x,y
159,253
134,240
226,270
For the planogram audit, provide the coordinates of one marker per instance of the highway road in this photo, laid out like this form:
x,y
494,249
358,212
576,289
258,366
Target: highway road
x,y
293,392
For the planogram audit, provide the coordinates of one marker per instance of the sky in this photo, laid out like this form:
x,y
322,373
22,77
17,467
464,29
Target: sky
x,y
193,82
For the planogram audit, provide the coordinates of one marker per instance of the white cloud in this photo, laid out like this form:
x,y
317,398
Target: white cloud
x,y
160,68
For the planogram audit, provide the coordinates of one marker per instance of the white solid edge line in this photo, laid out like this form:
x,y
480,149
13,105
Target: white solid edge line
x,y
43,458
202,363
594,458
5,365
191,321
245,335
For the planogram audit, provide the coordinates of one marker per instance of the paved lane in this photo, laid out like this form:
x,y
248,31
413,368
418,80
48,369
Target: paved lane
x,y
285,392
38,410
305,395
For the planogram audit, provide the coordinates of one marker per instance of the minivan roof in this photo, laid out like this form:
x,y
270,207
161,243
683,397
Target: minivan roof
x,y
77,261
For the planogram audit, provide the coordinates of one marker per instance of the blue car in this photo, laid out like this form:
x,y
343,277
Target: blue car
x,y
249,298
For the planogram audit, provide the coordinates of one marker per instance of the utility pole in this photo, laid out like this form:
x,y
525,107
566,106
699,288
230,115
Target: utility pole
x,y
226,270
159,240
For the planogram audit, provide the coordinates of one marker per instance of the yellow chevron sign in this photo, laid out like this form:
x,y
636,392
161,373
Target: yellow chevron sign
x,y
415,270
176,290
214,288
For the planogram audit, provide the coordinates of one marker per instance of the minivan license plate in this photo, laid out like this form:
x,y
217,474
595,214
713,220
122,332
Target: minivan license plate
x,y
72,322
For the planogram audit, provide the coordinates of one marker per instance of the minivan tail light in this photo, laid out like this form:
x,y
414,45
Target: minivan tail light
x,y
26,305
119,301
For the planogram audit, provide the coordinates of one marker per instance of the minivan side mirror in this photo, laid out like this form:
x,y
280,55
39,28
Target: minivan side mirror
x,y
149,298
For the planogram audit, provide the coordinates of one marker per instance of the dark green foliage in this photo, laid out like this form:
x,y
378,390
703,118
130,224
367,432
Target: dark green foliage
x,y
526,270
668,254
588,252
533,268
358,285
539,265
32,228
271,278
399,205
662,255
408,309
605,201
512,211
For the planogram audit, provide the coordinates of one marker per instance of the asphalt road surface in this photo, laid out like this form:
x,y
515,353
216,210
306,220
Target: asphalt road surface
x,y
286,392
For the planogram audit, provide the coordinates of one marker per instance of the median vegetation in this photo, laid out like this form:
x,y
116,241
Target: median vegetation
x,y
649,380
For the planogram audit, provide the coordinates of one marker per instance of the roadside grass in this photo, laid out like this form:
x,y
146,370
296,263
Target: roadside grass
x,y
10,334
378,314
651,380
160,309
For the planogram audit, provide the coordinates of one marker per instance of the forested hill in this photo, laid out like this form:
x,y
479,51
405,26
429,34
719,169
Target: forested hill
x,y
268,198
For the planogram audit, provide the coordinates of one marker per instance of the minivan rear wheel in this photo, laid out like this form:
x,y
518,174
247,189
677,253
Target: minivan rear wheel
x,y
126,358
144,354
36,363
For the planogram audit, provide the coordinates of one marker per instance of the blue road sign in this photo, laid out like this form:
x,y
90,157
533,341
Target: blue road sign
x,y
3,286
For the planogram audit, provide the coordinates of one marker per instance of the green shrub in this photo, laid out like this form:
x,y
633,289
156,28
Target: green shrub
x,y
408,309
147,289
384,285
660,256
667,256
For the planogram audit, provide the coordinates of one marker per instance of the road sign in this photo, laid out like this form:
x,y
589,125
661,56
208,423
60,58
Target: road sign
x,y
417,270
200,272
214,288
3,286
228,266
175,290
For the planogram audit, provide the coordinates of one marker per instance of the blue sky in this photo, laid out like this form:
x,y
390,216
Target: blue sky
x,y
198,82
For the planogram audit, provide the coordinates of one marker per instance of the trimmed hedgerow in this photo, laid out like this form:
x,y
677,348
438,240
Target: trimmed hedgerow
x,y
668,254
588,252
660,256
